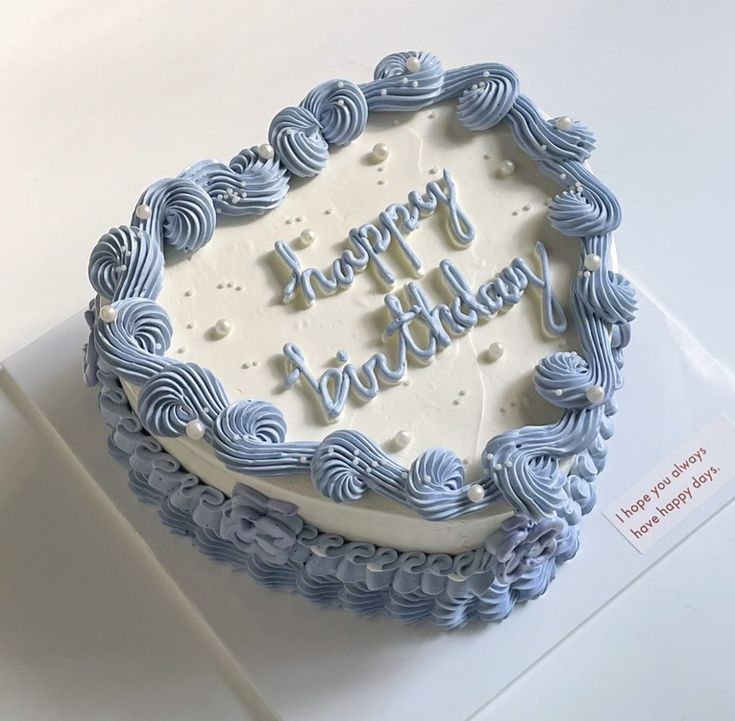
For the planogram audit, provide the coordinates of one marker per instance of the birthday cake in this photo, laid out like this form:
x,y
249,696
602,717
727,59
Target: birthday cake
x,y
373,359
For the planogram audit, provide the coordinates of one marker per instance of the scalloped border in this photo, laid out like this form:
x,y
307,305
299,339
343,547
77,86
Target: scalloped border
x,y
272,543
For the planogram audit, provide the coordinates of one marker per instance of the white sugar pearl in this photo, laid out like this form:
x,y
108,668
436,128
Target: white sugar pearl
x,y
592,261
506,168
495,351
223,327
265,151
558,392
402,439
380,152
564,122
475,493
595,394
195,430
413,64
307,236
108,313
143,211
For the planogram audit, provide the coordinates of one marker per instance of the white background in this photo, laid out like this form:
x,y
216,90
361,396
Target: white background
x,y
100,99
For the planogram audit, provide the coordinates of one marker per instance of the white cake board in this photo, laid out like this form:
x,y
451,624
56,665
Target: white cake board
x,y
311,664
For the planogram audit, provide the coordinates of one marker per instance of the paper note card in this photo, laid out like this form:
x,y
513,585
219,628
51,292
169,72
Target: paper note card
x,y
678,485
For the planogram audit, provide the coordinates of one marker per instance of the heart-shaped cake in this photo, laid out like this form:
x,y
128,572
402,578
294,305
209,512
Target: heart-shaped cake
x,y
374,358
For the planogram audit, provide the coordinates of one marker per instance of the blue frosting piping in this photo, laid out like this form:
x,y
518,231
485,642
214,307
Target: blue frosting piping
x,y
522,466
270,541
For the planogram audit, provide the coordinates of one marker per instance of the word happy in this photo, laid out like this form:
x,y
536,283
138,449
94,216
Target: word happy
x,y
371,240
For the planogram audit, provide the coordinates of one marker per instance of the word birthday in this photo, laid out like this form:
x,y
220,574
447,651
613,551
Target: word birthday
x,y
669,494
443,322
371,240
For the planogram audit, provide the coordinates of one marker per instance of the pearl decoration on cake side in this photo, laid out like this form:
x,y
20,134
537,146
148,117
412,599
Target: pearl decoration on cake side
x,y
195,430
108,313
595,394
265,151
413,64
307,237
475,493
494,351
222,327
564,122
402,439
506,168
143,211
592,261
380,152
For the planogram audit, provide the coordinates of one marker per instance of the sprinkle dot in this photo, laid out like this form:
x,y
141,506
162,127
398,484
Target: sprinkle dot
x,y
506,168
564,123
108,313
307,237
494,351
380,152
595,394
402,439
413,64
143,211
222,327
195,430
265,151
475,493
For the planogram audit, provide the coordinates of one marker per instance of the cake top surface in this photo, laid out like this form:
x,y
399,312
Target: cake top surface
x,y
477,238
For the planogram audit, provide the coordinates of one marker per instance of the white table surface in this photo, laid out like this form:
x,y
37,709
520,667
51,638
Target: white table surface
x,y
100,99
